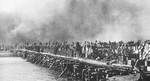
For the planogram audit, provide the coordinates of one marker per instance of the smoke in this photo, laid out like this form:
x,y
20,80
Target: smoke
x,y
74,20
29,17
101,20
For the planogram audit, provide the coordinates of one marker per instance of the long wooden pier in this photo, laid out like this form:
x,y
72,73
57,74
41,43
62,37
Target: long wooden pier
x,y
79,68
88,61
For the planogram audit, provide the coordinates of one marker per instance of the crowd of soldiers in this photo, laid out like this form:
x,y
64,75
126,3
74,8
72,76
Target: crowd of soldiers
x,y
118,52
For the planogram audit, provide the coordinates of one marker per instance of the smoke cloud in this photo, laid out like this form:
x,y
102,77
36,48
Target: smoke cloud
x,y
74,20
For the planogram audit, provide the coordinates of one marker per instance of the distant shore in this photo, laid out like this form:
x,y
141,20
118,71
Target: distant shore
x,y
6,54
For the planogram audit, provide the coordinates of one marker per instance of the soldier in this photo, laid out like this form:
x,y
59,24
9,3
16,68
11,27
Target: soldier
x,y
95,50
78,50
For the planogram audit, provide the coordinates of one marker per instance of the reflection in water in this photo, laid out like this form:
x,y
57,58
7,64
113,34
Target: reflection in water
x,y
17,69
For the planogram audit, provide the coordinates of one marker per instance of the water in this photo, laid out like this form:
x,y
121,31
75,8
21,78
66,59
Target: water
x,y
17,69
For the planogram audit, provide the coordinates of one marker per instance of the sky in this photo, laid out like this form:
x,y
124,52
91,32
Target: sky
x,y
102,20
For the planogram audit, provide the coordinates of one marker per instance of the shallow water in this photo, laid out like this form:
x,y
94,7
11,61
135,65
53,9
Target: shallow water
x,y
17,69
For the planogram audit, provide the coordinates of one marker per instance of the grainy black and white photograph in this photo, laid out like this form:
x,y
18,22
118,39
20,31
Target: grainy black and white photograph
x,y
74,40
